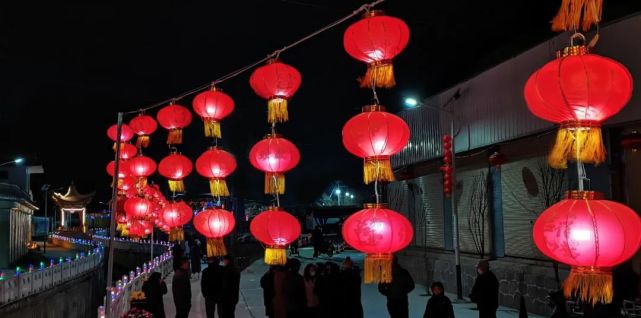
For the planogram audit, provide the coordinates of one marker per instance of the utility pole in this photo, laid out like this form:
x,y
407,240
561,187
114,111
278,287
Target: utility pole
x,y
112,223
45,190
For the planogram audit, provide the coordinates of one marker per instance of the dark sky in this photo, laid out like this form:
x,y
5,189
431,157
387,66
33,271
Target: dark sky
x,y
67,68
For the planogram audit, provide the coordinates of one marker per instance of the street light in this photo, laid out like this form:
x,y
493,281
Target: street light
x,y
411,102
16,161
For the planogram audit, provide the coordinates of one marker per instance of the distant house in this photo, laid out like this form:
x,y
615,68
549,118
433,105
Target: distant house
x,y
16,210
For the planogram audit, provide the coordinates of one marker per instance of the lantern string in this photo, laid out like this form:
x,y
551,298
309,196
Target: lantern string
x,y
365,7
276,192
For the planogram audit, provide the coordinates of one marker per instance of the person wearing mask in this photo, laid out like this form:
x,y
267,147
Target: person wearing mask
x,y
230,288
267,284
350,278
181,288
294,290
154,288
485,292
309,276
211,285
439,305
396,291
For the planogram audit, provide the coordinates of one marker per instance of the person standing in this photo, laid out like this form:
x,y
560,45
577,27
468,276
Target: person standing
x,y
181,288
267,284
439,305
317,240
309,276
230,288
154,288
350,278
396,291
485,292
211,285
195,259
294,290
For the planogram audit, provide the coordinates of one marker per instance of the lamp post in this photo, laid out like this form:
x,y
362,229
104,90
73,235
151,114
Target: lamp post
x,y
338,196
16,161
45,190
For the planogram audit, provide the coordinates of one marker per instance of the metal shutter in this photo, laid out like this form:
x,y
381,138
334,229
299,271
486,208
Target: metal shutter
x,y
464,188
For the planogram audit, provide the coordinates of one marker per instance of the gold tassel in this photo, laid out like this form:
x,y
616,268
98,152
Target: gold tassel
x,y
382,73
175,136
212,129
218,187
378,268
125,231
176,186
274,183
275,256
176,234
377,168
120,226
216,247
590,284
277,110
587,139
142,141
575,14
141,183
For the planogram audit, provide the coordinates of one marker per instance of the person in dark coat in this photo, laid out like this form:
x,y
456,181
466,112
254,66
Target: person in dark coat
x,y
181,288
230,289
177,254
267,284
294,290
317,240
328,290
154,288
350,278
485,292
211,285
439,305
396,291
195,257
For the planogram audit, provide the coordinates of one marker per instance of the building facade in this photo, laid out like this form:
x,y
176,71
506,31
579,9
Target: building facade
x,y
16,210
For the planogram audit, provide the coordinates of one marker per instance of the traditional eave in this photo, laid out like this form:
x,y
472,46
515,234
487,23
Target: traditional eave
x,y
72,199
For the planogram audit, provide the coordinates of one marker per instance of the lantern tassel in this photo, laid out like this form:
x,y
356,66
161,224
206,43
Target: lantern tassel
x,y
572,12
378,268
218,188
176,186
381,73
141,183
275,256
142,141
216,247
589,284
120,227
176,234
377,168
277,110
175,137
212,129
125,231
587,139
274,183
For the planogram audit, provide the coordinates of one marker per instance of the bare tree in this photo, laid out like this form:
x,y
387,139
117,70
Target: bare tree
x,y
478,212
552,183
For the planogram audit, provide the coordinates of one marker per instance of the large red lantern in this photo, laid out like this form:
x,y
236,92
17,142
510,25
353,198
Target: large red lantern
x,y
212,106
375,135
376,40
175,215
142,167
214,224
578,91
216,164
274,155
276,82
174,118
378,232
175,167
143,126
138,208
592,235
276,229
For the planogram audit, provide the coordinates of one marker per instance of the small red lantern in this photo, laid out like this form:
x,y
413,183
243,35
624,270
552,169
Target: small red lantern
x,y
448,170
213,106
143,126
214,224
274,155
376,40
497,159
126,133
276,229
378,232
175,215
138,208
375,135
216,164
142,167
592,235
123,169
276,82
139,228
175,167
578,91
127,151
174,118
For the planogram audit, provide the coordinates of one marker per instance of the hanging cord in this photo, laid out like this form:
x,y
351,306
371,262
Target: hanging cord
x,y
376,194
276,192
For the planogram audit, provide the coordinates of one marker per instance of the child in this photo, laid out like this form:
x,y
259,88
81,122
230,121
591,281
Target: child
x,y
439,306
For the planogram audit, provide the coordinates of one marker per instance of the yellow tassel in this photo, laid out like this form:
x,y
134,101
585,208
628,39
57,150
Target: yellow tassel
x,y
176,186
277,110
275,256
378,268
274,183
120,226
587,139
590,284
216,247
382,73
218,187
176,234
141,183
575,14
212,129
377,168
124,232
142,141
175,137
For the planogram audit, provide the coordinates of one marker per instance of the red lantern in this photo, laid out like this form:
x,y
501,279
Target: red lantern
x,y
448,171
175,215
143,126
214,224
378,232
579,91
138,208
174,118
497,159
127,151
375,135
139,228
123,169
212,106
175,167
142,167
274,155
376,40
592,235
126,133
276,229
276,82
216,164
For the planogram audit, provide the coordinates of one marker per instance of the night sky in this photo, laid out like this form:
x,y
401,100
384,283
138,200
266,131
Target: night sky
x,y
66,69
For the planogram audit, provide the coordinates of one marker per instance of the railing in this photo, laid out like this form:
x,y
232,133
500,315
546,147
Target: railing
x,y
134,246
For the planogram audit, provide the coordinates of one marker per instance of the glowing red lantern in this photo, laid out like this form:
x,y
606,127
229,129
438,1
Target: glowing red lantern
x,y
276,82
376,40
375,135
127,151
174,118
175,167
216,164
143,126
126,133
123,169
378,232
214,224
139,228
579,91
175,215
142,167
212,106
276,229
138,208
274,155
592,235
